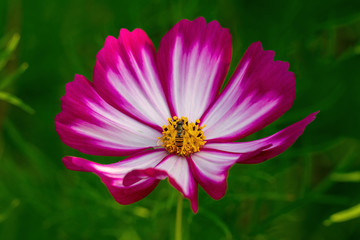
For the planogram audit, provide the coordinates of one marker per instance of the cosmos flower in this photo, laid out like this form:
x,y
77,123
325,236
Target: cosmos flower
x,y
164,109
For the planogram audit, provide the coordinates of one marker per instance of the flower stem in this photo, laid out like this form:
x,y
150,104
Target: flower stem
x,y
178,221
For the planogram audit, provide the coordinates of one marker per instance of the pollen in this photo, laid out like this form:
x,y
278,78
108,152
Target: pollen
x,y
182,137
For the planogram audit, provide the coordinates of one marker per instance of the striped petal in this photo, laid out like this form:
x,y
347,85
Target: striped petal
x,y
258,93
263,149
92,126
112,175
210,168
193,60
125,75
177,169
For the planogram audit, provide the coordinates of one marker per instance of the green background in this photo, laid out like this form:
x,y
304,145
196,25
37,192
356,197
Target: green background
x,y
288,197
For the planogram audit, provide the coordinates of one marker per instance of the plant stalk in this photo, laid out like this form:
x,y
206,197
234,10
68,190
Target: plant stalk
x,y
178,220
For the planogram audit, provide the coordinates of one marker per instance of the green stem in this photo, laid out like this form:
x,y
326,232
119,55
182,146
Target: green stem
x,y
178,221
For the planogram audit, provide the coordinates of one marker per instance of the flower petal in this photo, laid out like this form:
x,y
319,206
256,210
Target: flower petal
x,y
125,75
210,168
112,175
193,60
263,149
259,92
90,125
177,169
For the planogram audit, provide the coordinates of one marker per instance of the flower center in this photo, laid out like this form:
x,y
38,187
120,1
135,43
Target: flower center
x,y
181,137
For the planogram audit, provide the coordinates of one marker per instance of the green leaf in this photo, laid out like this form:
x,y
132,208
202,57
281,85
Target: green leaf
x,y
7,97
346,177
11,77
9,49
342,216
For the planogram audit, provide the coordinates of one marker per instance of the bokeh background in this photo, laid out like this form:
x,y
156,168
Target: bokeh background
x,y
293,196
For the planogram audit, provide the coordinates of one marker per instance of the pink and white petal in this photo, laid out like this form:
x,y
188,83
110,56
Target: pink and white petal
x,y
193,60
263,149
259,92
92,126
112,175
126,76
210,168
177,169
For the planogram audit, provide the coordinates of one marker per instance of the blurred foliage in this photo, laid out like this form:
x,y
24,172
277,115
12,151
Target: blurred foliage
x,y
288,197
345,215
346,177
6,79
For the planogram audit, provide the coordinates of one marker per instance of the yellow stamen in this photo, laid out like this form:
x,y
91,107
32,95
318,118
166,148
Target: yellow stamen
x,y
181,137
